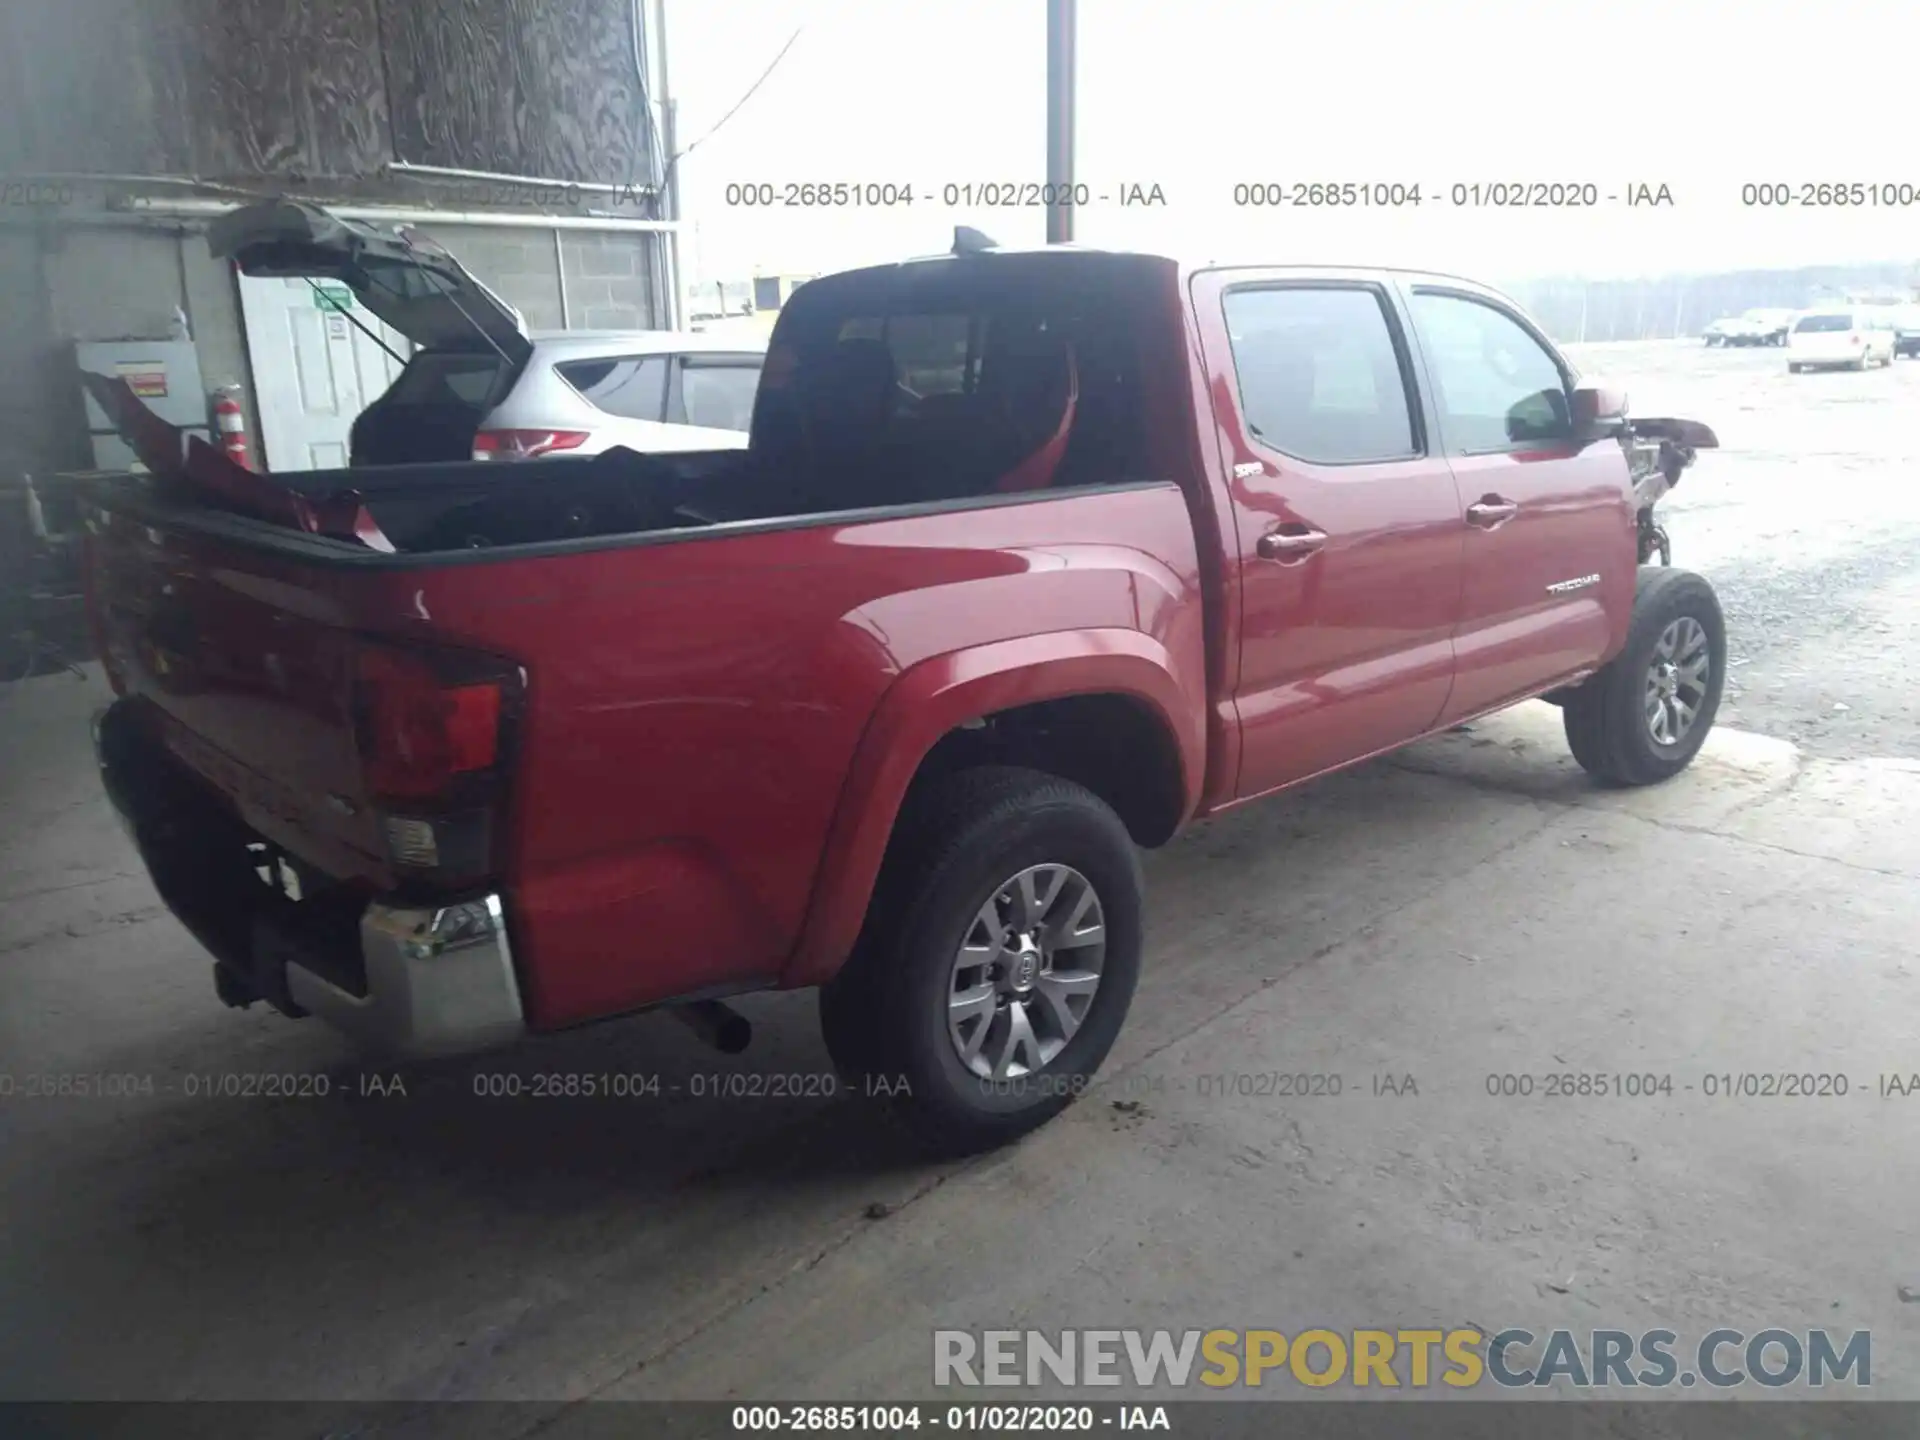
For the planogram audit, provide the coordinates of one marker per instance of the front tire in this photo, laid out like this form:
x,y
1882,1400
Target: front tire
x,y
1643,716
999,957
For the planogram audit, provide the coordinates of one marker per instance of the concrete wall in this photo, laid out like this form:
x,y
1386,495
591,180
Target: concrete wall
x,y
30,391
610,281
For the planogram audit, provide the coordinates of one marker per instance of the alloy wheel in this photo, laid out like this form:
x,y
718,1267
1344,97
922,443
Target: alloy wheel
x,y
1677,679
1026,972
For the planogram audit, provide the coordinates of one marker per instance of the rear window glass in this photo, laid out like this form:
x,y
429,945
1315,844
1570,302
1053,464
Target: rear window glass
x,y
634,386
932,352
920,387
1318,373
719,396
440,377
1824,325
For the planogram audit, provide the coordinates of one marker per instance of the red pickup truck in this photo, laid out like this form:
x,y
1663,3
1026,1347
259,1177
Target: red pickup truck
x,y
1034,558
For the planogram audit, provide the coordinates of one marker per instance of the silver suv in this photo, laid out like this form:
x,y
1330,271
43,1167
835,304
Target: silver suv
x,y
479,385
582,391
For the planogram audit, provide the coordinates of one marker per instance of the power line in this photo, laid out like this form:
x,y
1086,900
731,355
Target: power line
x,y
675,159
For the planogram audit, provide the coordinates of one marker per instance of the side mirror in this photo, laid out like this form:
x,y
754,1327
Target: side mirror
x,y
1599,412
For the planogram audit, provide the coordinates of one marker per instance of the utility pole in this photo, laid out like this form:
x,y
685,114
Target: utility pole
x,y
669,173
1060,70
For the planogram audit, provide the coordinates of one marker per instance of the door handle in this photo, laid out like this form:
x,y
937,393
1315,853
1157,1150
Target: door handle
x,y
1491,512
1287,545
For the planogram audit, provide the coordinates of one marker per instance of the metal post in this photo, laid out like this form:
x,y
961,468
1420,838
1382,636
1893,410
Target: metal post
x,y
676,270
1060,70
669,173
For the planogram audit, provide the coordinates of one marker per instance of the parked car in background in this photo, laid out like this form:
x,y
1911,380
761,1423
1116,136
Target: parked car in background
x,y
582,392
1754,327
1034,557
480,385
1731,330
1906,329
1774,326
1854,337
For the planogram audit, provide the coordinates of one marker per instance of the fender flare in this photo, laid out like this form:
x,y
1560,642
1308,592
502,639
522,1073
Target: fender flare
x,y
936,696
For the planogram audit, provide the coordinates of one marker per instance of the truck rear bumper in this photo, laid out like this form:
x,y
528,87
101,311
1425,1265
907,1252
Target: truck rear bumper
x,y
402,981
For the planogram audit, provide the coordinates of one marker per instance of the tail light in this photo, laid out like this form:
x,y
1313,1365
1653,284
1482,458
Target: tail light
x,y
525,444
434,731
1854,338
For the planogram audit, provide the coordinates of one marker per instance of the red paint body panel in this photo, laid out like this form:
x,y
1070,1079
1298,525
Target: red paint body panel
x,y
1575,520
720,725
1349,650
695,708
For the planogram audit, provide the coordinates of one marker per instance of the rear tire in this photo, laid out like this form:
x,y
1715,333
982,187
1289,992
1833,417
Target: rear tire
x,y
1643,716
997,842
1793,368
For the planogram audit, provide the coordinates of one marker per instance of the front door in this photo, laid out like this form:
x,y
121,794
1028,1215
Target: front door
x,y
1551,553
314,371
1347,519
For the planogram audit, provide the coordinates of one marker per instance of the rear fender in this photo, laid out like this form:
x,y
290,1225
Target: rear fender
x,y
942,693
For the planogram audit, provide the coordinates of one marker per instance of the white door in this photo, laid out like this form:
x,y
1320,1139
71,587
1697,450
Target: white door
x,y
313,369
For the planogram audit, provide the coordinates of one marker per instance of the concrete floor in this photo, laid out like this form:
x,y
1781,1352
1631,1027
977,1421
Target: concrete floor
x,y
1471,906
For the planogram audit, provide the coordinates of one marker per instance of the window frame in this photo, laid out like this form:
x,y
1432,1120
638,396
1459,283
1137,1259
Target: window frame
x,y
1397,337
1568,376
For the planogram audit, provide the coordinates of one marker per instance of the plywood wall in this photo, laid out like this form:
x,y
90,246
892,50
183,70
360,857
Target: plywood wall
x,y
291,90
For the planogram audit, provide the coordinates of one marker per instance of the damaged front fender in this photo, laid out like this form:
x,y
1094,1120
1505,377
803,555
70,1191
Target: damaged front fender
x,y
1658,450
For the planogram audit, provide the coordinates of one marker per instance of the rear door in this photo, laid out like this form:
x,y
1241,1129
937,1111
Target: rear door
x,y
1550,549
1347,520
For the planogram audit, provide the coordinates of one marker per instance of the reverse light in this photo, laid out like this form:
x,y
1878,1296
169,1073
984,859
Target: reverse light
x,y
432,729
525,444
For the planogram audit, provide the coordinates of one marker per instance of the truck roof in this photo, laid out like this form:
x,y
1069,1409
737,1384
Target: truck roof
x,y
1186,264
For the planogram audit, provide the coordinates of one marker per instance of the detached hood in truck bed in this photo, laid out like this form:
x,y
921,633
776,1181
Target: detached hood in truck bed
x,y
406,279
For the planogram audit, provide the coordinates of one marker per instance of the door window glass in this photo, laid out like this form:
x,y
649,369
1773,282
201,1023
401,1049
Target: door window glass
x,y
634,386
1495,385
1319,376
719,396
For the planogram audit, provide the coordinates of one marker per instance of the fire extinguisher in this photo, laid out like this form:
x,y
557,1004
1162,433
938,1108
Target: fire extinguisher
x,y
232,423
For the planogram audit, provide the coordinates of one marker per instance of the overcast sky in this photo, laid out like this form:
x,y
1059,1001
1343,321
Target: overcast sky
x,y
1199,95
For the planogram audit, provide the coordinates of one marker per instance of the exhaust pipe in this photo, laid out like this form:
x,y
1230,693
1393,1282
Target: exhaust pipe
x,y
720,1025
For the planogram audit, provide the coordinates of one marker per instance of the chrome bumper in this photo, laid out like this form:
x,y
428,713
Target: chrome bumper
x,y
439,982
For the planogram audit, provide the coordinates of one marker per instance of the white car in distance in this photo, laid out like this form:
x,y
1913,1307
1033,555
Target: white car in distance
x,y
1841,338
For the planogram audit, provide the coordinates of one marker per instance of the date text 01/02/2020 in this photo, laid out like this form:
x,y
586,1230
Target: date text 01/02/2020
x,y
962,1419
1459,195
960,194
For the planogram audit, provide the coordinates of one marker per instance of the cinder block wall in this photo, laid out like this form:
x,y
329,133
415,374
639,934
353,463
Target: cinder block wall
x,y
610,281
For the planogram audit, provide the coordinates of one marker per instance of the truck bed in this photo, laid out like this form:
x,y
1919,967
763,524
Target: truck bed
x,y
695,686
